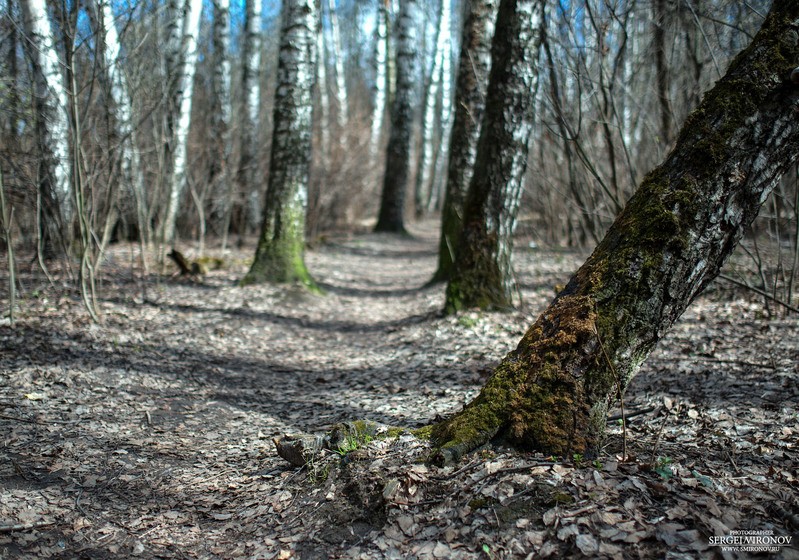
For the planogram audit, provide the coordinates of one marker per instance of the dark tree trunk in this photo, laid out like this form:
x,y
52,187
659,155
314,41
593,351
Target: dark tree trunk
x,y
482,275
281,246
662,68
473,68
398,152
552,393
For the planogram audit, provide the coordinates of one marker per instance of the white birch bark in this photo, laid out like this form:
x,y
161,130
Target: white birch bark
x,y
185,89
338,66
324,98
116,82
221,107
51,107
247,172
441,152
279,256
381,76
427,157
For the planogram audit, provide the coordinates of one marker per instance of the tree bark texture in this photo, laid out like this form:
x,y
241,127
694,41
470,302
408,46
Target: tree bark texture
x,y
473,68
221,107
398,153
482,275
381,76
247,176
553,391
279,255
186,68
52,124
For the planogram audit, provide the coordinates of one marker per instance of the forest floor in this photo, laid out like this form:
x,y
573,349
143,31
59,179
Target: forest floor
x,y
149,435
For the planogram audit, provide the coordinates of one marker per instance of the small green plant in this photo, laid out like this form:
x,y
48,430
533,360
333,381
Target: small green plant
x,y
487,550
663,467
351,443
468,321
597,464
578,459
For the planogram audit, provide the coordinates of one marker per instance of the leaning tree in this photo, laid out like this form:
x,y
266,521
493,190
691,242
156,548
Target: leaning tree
x,y
553,391
281,246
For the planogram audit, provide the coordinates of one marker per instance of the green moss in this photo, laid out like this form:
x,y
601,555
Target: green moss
x,y
425,433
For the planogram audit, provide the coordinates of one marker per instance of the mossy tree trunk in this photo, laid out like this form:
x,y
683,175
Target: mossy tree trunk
x,y
398,153
279,256
482,275
552,393
473,68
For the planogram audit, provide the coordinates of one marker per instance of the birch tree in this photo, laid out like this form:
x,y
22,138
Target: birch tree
x,y
221,109
473,69
553,391
338,67
482,275
398,152
279,255
186,66
430,117
247,179
117,89
51,107
381,75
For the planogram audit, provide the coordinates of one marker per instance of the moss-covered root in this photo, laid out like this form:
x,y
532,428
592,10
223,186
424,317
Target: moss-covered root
x,y
473,427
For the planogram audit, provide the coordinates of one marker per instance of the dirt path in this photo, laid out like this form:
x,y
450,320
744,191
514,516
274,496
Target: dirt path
x,y
150,435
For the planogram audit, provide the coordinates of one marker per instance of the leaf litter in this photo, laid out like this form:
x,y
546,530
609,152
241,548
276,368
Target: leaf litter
x,y
150,434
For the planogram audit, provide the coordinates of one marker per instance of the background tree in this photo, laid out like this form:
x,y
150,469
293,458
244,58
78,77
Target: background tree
x,y
55,204
552,393
279,255
482,275
186,66
391,217
473,69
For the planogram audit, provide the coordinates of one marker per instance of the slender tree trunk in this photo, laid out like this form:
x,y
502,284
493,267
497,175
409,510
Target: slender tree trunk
x,y
185,91
338,66
441,153
662,68
279,256
424,166
324,97
483,276
52,125
381,76
398,153
552,393
117,90
247,176
473,69
221,110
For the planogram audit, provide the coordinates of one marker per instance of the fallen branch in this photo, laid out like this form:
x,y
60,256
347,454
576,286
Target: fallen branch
x,y
24,526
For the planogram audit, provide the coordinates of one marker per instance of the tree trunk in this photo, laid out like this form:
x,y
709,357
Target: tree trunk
x,y
185,89
381,76
52,125
338,66
482,274
221,111
430,118
279,256
398,152
116,87
473,68
552,393
247,176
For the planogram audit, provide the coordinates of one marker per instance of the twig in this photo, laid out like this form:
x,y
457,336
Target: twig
x,y
24,526
622,415
760,292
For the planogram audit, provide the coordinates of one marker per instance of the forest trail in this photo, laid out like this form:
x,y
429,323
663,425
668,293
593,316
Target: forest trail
x,y
150,434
